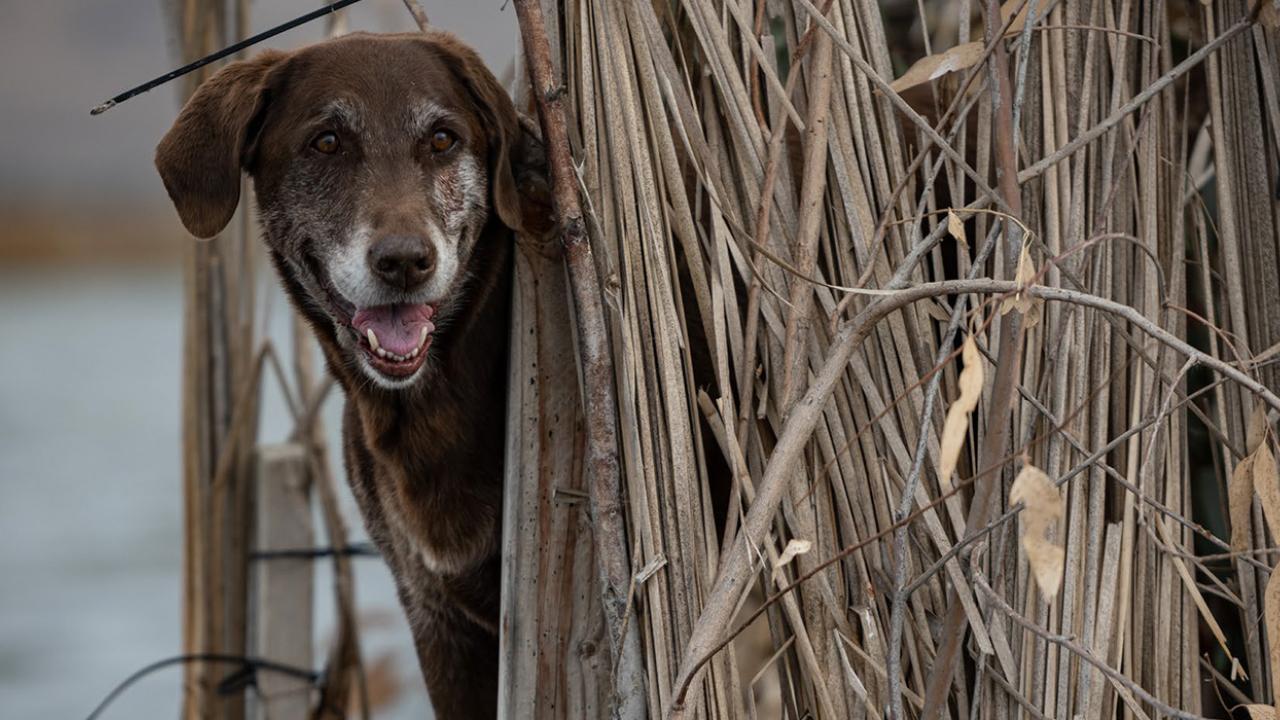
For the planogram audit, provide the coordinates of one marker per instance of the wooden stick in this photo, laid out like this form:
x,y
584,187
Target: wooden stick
x,y
603,478
283,589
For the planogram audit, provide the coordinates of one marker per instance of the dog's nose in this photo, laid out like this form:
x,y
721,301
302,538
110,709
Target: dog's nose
x,y
402,261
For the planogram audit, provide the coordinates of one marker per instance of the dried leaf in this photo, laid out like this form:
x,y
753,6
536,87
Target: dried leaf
x,y
1034,313
1269,17
1240,504
1266,482
1271,613
1026,269
962,57
1025,276
931,67
956,426
1257,427
1044,508
955,226
795,547
1022,7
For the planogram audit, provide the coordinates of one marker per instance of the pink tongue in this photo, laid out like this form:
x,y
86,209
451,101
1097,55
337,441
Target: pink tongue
x,y
398,327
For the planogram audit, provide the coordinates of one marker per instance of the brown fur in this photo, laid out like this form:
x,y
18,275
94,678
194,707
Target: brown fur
x,y
424,461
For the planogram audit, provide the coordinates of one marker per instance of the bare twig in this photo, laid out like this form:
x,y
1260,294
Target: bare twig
x,y
736,569
1075,648
1190,63
419,15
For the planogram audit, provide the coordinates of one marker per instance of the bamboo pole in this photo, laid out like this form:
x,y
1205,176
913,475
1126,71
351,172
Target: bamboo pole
x,y
217,357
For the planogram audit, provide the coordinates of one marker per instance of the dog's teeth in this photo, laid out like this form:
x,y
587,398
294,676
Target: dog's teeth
x,y
426,330
381,353
373,339
412,354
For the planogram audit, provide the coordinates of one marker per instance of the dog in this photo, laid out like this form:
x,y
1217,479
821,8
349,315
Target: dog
x,y
385,169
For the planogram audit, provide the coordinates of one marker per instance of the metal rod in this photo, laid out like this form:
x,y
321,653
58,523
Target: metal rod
x,y
230,50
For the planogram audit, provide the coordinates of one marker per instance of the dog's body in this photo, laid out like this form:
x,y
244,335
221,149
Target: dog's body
x,y
384,169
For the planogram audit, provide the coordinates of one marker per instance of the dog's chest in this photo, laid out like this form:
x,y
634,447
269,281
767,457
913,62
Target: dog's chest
x,y
439,553
442,518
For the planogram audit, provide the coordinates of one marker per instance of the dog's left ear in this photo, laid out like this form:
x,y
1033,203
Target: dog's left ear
x,y
510,158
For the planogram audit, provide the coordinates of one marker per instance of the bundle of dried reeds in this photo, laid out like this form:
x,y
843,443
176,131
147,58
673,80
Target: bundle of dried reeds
x,y
982,378
217,439
225,361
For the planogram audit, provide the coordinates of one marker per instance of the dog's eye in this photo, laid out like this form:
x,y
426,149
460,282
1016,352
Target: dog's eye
x,y
442,140
326,143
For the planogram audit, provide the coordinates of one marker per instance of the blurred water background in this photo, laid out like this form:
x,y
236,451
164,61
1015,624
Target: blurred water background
x,y
90,341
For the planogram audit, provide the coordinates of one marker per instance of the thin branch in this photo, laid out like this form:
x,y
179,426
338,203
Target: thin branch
x,y
419,15
1074,647
736,568
1193,60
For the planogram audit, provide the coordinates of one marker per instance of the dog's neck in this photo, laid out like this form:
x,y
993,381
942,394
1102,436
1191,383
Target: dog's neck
x,y
435,449
461,395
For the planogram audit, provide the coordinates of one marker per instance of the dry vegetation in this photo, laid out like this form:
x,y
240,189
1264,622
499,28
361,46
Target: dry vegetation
x,y
992,381
989,371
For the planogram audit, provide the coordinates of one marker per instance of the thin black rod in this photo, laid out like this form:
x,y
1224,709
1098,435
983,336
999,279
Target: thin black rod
x,y
230,50
363,549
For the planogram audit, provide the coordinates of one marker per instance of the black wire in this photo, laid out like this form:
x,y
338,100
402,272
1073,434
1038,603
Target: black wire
x,y
362,549
231,50
253,663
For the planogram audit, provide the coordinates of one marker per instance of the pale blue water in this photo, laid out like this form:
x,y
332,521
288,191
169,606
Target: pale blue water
x,y
90,498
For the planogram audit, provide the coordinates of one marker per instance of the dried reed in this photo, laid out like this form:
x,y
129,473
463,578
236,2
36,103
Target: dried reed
x,y
1079,194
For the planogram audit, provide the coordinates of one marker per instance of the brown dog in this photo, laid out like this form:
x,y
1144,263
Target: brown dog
x,y
385,171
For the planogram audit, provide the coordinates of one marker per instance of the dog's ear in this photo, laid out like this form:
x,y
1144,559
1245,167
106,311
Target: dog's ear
x,y
533,184
507,146
200,157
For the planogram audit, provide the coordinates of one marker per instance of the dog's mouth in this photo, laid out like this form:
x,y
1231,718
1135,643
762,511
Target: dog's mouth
x,y
395,338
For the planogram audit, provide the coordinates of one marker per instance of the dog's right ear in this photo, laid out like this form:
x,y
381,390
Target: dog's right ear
x,y
200,157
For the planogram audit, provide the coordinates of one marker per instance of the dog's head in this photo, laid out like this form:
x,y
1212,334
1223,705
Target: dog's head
x,y
378,161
